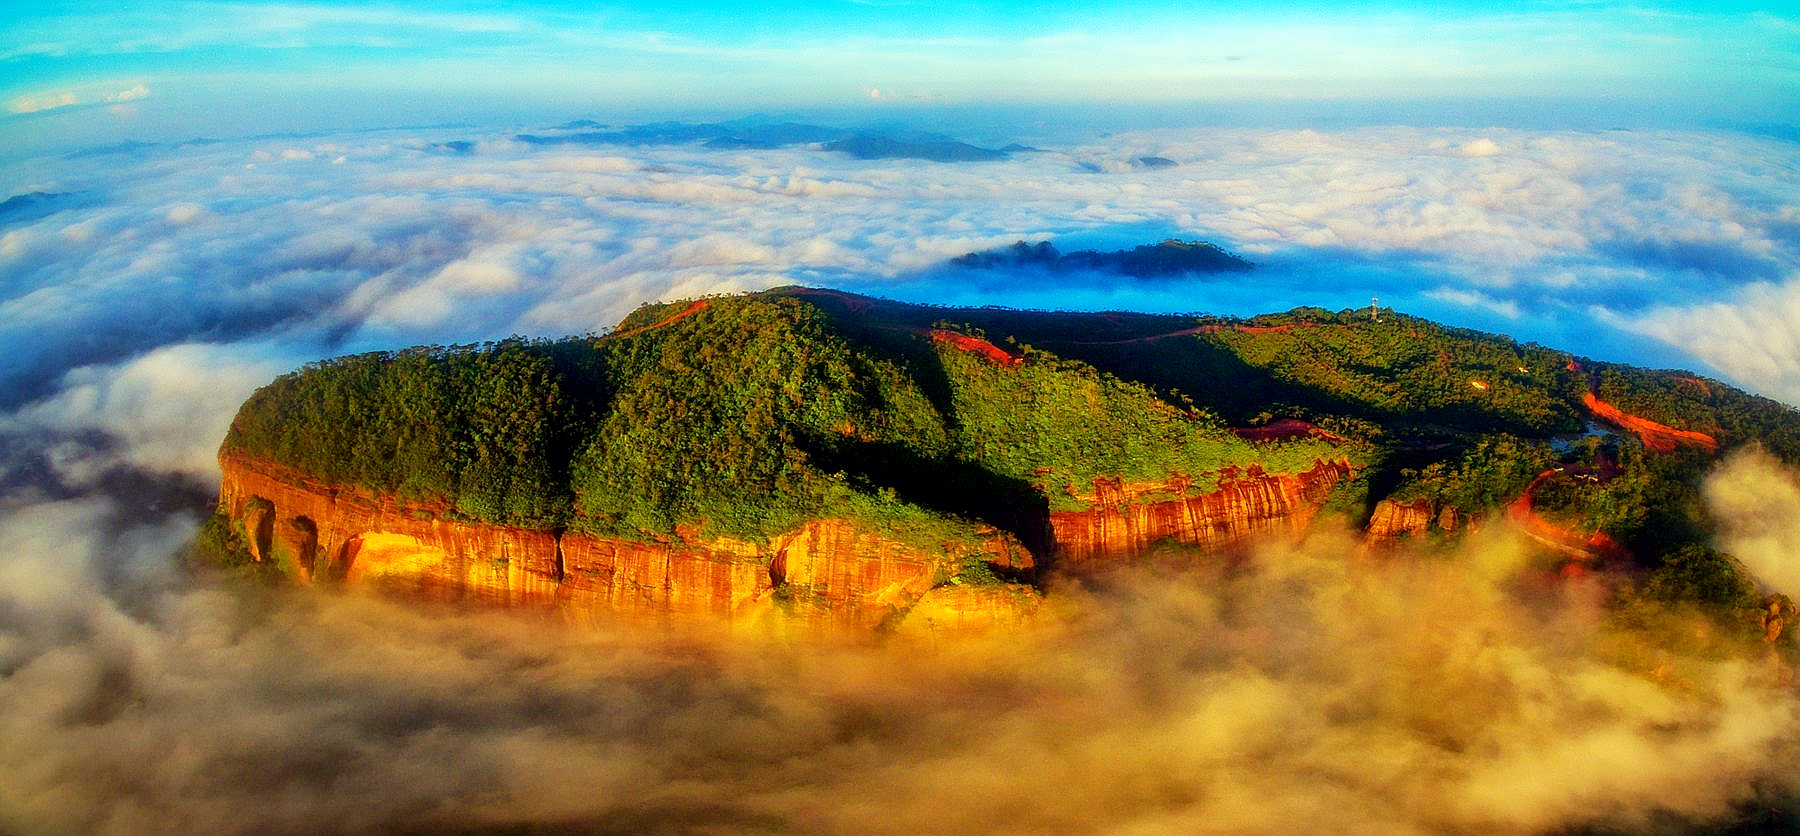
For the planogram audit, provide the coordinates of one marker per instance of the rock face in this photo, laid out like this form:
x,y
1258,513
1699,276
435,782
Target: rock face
x,y
825,576
1393,519
1124,521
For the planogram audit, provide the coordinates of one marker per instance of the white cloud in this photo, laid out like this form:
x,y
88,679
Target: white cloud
x,y
1306,692
1753,335
34,102
54,99
1482,147
166,410
399,243
129,94
181,213
1756,501
1476,299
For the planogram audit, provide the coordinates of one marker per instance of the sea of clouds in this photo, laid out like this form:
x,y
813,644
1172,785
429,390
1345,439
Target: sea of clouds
x,y
146,290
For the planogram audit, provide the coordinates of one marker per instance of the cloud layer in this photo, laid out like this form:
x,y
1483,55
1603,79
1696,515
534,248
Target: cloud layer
x,y
1658,247
1304,690
147,290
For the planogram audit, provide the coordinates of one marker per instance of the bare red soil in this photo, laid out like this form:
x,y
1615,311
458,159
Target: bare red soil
x,y
1658,437
1282,429
974,345
687,311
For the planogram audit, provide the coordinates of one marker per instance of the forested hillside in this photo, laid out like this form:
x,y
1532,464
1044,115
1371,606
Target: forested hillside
x,y
747,416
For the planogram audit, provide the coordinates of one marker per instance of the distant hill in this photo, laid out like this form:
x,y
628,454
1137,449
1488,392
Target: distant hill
x,y
1168,258
871,147
32,205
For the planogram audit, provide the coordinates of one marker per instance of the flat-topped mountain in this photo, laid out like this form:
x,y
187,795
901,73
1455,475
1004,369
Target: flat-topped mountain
x,y
819,460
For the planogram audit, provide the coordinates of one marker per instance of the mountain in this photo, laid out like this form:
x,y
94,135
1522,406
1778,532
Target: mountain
x,y
30,206
824,462
1168,258
894,143
878,147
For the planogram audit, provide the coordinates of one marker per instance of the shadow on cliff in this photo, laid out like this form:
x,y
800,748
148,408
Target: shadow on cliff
x,y
948,486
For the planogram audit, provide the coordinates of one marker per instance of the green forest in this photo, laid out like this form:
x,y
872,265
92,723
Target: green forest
x,y
743,419
746,416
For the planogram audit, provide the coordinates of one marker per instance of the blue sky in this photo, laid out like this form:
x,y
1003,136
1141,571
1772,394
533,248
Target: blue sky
x,y
86,69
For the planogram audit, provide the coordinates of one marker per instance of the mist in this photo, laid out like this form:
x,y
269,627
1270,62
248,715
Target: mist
x,y
1307,688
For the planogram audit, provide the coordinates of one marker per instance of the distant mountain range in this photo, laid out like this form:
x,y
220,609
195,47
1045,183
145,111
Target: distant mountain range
x,y
1168,258
865,144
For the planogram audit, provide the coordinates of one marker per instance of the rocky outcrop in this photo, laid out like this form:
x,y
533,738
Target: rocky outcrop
x,y
1125,521
1393,519
825,576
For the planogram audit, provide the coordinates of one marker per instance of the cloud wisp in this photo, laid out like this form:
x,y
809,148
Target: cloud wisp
x,y
91,94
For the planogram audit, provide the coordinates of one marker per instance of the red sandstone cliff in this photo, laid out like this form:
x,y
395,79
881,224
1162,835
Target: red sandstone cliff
x,y
1123,521
826,575
1393,519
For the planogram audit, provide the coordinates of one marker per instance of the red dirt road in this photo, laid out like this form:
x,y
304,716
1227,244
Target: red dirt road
x,y
687,311
1569,541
